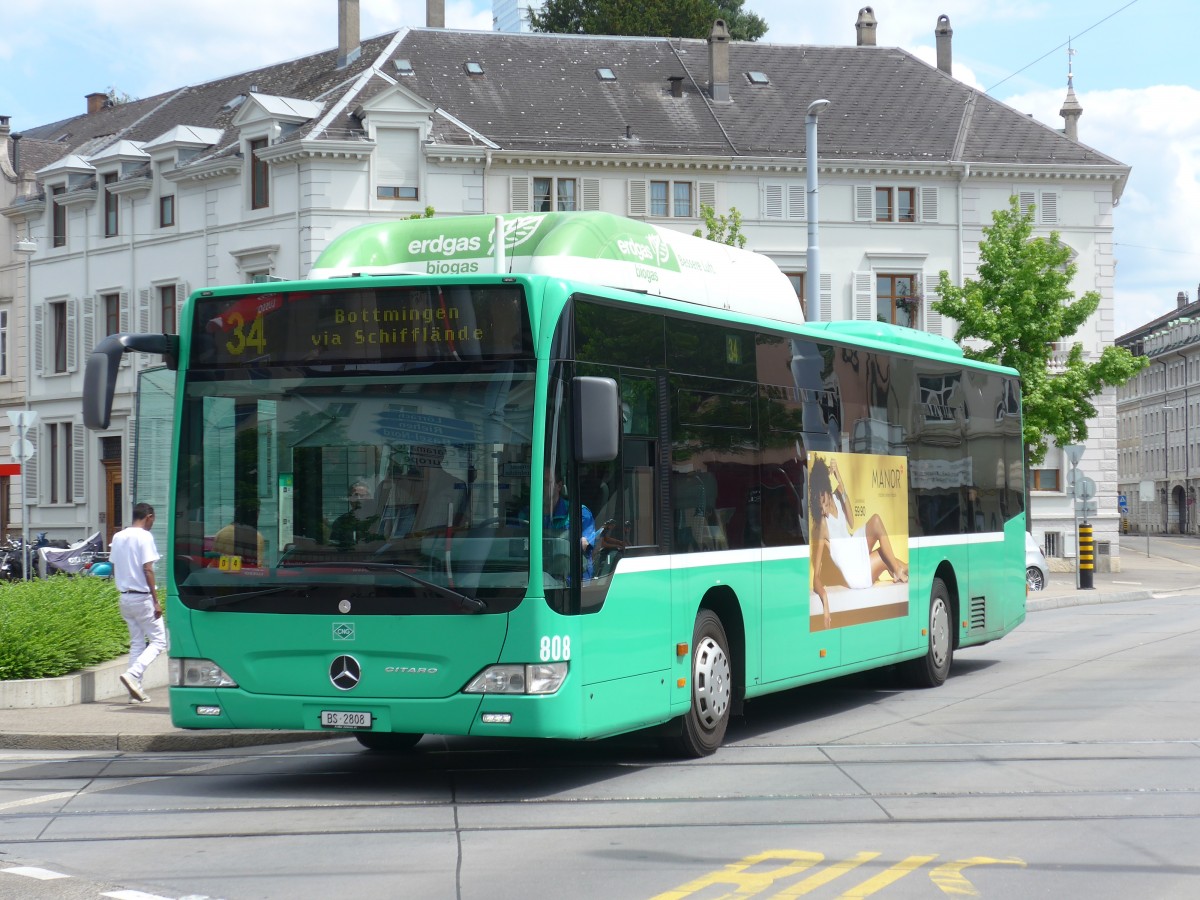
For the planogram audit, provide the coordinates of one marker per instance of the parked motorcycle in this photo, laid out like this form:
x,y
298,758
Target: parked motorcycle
x,y
72,559
13,556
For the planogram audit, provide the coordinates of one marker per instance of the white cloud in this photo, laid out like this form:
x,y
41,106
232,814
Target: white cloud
x,y
1156,131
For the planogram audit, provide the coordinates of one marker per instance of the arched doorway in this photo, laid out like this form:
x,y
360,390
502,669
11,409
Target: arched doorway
x,y
1179,510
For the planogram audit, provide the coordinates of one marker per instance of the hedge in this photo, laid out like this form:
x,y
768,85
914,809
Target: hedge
x,y
58,625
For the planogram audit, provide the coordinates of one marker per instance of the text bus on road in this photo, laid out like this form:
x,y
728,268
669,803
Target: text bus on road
x,y
598,478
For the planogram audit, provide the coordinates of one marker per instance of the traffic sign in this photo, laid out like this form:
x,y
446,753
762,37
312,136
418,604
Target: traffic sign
x,y
22,419
1086,508
22,450
1122,503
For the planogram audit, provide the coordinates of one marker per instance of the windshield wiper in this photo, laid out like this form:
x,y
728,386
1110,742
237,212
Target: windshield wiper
x,y
229,599
467,604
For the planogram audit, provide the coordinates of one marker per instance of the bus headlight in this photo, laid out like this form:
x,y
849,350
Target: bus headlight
x,y
540,678
186,672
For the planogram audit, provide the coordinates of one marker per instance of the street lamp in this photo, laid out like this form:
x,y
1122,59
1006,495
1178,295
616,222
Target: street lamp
x,y
812,275
26,246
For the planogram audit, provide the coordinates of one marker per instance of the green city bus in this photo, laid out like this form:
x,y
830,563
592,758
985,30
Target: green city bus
x,y
564,475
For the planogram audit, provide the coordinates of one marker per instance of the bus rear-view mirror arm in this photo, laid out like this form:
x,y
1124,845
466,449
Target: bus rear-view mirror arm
x,y
100,372
597,418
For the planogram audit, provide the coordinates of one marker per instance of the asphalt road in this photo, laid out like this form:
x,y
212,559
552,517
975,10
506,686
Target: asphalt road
x,y
1061,761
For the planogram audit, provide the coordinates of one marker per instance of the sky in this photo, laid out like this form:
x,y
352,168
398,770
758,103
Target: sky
x,y
1131,74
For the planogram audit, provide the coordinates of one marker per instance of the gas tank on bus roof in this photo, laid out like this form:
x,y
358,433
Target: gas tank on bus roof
x,y
592,247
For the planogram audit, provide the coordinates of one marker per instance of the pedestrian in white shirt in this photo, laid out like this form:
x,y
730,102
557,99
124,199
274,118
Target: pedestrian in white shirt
x,y
133,555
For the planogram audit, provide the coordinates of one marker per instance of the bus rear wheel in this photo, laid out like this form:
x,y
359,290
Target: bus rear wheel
x,y
388,741
703,727
932,669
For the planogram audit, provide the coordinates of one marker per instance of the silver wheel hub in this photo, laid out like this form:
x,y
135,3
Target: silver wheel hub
x,y
939,632
712,686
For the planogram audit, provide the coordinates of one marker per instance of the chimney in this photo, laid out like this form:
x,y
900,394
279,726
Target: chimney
x,y
942,33
1181,299
676,85
718,61
95,102
349,48
435,13
865,26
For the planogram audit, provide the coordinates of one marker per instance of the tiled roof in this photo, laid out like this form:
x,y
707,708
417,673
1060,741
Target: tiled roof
x,y
540,93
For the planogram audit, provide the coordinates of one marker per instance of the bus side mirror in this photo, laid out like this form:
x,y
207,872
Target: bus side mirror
x,y
100,371
597,418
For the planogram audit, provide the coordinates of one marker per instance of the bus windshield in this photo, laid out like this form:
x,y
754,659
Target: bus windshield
x,y
410,488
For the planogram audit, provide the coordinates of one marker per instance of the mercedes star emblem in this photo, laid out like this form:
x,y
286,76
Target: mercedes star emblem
x,y
345,672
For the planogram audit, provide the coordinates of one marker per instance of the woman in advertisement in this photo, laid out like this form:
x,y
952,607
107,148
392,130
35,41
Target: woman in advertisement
x,y
862,556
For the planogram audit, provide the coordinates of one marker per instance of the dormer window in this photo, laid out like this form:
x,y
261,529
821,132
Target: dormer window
x,y
234,103
58,215
473,68
111,210
260,176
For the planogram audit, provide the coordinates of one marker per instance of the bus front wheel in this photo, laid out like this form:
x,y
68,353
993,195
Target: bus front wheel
x,y
704,724
932,669
388,741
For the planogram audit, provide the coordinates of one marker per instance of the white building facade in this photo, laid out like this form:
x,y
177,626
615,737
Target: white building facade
x,y
165,199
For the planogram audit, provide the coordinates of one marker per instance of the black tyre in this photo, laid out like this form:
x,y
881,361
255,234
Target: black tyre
x,y
932,668
388,741
703,727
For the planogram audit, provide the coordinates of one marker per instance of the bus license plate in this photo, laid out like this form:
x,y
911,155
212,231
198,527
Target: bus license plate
x,y
342,719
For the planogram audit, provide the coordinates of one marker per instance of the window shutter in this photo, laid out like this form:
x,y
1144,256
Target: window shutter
x,y
1048,214
181,295
79,436
72,334
932,318
590,191
39,338
772,201
89,324
397,157
797,201
639,188
123,321
864,203
929,204
825,313
519,193
1026,199
29,475
143,318
864,296
706,191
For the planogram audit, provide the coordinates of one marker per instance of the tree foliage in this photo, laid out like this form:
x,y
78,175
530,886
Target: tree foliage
x,y
1019,306
652,18
722,229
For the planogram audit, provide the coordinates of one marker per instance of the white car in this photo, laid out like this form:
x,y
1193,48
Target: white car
x,y
1035,564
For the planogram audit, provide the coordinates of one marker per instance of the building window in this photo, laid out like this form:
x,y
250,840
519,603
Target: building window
x,y
1044,479
60,458
260,176
550,194
3,343
396,193
166,211
896,299
111,211
58,331
58,216
166,305
798,285
890,203
110,307
671,199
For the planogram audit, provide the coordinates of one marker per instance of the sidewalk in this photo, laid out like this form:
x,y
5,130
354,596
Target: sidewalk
x,y
114,724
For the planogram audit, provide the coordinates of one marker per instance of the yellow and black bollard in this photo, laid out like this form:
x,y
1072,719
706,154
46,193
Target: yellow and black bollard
x,y
1087,557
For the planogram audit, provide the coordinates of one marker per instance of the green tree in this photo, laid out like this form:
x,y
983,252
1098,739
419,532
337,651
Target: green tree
x,y
653,18
1019,306
722,229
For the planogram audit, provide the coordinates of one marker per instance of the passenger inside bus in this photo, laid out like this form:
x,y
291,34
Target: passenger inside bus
x,y
240,539
357,525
